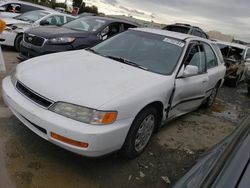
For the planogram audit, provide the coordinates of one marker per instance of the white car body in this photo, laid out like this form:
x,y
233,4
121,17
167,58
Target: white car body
x,y
93,81
24,7
8,36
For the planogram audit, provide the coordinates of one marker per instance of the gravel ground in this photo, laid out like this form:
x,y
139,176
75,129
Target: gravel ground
x,y
27,160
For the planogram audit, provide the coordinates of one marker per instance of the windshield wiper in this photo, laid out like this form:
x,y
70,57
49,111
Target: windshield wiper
x,y
125,61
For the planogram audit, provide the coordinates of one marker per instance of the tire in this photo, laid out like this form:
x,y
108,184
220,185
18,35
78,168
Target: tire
x,y
248,89
210,100
140,133
17,42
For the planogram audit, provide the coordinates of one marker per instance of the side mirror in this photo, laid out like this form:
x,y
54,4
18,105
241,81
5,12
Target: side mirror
x,y
2,9
190,70
44,22
103,34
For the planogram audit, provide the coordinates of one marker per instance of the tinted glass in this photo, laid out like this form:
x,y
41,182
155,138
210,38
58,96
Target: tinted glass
x,y
179,29
156,53
55,20
210,57
89,24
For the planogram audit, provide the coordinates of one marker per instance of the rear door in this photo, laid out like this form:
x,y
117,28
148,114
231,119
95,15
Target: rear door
x,y
190,91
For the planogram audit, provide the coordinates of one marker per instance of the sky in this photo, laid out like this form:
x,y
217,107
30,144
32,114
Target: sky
x,y
227,16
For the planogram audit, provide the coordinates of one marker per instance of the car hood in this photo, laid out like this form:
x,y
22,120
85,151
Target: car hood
x,y
57,31
83,78
12,21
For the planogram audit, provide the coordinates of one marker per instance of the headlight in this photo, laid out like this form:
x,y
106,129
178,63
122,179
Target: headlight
x,y
83,114
61,40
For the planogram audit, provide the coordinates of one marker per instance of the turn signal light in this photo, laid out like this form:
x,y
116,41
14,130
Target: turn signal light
x,y
69,141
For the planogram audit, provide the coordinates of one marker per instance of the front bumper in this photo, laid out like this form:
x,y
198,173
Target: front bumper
x,y
28,50
101,139
7,38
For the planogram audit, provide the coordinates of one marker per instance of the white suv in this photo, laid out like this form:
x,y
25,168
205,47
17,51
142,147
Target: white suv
x,y
116,94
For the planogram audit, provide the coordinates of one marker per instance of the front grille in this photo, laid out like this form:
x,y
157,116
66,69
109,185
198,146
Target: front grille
x,y
32,39
33,96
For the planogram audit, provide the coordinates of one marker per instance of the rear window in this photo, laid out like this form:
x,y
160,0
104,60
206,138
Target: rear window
x,y
179,29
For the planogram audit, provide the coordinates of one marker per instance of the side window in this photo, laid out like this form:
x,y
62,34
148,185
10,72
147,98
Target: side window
x,y
69,19
127,26
27,8
196,57
55,20
196,33
111,30
203,35
13,7
248,54
210,57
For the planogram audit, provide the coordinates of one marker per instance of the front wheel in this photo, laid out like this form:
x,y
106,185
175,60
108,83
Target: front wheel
x,y
140,132
18,41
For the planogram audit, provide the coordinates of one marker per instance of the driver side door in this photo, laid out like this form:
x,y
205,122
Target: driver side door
x,y
190,91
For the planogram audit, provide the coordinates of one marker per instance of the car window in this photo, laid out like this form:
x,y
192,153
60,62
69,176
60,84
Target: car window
x,y
32,16
248,53
69,19
127,26
196,33
159,54
89,24
13,7
27,8
218,52
196,57
55,20
210,57
179,29
111,30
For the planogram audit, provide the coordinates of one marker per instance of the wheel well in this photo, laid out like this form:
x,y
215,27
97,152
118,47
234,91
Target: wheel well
x,y
159,107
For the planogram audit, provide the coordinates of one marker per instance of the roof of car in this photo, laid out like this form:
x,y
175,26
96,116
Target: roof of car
x,y
172,34
236,45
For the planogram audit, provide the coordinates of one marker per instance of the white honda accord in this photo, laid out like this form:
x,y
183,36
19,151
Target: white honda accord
x,y
115,95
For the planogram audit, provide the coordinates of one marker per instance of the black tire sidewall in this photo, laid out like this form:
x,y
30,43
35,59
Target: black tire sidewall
x,y
17,42
128,148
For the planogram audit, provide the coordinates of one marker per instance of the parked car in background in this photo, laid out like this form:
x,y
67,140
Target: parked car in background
x,y
115,95
187,29
226,165
247,76
79,34
237,59
12,8
13,33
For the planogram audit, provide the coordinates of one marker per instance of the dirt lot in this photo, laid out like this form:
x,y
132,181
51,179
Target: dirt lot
x,y
27,160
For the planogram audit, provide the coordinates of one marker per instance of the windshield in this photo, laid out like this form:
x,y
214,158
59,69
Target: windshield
x,y
88,24
32,16
153,52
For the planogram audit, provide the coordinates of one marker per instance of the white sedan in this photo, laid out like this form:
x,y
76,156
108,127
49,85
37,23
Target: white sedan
x,y
13,34
116,94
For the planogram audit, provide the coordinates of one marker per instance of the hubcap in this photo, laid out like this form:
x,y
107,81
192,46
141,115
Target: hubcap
x,y
144,132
